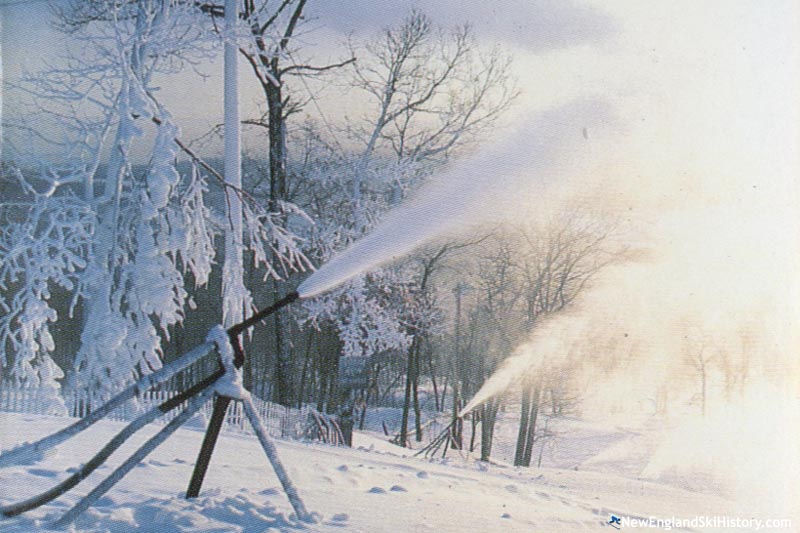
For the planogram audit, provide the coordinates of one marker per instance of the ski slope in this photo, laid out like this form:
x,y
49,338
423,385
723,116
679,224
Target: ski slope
x,y
373,487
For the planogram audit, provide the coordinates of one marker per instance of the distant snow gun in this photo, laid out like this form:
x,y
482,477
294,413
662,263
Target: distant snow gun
x,y
446,439
224,385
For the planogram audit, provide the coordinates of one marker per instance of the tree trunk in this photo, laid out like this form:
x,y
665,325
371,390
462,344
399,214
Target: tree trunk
x,y
488,419
541,448
306,365
458,424
321,393
415,393
473,431
444,394
276,128
433,380
283,370
277,145
457,430
522,434
527,423
346,421
363,416
407,395
333,385
531,437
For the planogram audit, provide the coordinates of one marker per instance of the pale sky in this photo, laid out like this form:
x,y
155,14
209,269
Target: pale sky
x,y
531,30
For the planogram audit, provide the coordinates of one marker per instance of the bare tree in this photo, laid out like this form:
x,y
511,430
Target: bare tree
x,y
699,356
421,317
430,93
561,260
499,318
431,89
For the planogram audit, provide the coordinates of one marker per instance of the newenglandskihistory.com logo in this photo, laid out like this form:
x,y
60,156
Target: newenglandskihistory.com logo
x,y
722,522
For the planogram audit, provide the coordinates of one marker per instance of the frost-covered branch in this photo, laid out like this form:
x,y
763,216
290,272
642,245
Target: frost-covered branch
x,y
42,245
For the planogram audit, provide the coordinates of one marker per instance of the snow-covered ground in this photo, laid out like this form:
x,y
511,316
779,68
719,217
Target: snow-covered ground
x,y
373,487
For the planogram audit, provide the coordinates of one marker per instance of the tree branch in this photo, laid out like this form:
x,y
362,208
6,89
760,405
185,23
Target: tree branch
x,y
292,24
305,69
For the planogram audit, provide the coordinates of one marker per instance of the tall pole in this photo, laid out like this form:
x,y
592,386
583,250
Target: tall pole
x,y
233,291
457,427
233,157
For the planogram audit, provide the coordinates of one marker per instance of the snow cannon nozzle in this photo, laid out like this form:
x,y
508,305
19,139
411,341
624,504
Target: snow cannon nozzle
x,y
236,329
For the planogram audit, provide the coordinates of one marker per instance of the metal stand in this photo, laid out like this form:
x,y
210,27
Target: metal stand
x,y
222,402
194,398
215,424
209,441
101,456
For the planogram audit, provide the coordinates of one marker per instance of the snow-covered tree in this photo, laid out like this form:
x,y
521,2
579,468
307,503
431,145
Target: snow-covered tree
x,y
119,234
43,242
134,286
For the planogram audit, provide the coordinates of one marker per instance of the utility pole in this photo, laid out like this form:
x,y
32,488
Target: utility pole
x,y
232,277
233,283
457,431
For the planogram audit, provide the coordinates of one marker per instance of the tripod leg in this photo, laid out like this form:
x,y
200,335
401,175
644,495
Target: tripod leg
x,y
194,405
272,455
27,451
90,466
209,441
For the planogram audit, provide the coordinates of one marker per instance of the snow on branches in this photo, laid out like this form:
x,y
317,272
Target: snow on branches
x,y
43,242
361,312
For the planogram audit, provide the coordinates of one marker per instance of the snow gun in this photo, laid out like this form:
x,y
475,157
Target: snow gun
x,y
223,385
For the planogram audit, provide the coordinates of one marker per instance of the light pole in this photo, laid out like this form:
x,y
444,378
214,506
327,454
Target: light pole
x,y
457,430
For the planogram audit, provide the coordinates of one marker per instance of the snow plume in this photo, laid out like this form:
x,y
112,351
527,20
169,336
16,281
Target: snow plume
x,y
705,183
544,349
486,187
699,278
741,449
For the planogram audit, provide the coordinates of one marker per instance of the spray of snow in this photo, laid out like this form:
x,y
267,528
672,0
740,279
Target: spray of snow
x,y
542,349
714,201
740,450
486,187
